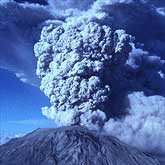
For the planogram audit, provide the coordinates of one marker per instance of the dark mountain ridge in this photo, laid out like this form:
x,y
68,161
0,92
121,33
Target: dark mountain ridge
x,y
73,145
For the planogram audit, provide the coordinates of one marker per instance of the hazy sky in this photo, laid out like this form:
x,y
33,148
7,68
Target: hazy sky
x,y
20,103
20,106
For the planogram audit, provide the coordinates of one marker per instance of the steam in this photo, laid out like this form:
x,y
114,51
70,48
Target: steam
x,y
144,126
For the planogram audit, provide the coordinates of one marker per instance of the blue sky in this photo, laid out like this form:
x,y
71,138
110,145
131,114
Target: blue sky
x,y
20,106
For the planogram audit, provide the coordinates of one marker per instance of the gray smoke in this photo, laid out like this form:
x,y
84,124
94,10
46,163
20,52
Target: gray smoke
x,y
100,77
74,64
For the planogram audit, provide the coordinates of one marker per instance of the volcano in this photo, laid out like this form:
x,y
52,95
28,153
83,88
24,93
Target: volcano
x,y
72,145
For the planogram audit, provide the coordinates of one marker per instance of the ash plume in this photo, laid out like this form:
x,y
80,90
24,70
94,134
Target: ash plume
x,y
98,76
74,64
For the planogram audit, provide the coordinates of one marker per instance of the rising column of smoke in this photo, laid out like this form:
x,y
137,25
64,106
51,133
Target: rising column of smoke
x,y
136,84
73,63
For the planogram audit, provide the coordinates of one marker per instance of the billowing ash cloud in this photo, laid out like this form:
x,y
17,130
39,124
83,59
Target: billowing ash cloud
x,y
98,76
74,64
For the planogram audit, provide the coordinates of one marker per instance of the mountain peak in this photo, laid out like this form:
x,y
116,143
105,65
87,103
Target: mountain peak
x,y
71,145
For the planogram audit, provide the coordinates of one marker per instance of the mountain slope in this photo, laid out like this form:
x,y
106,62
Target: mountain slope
x,y
72,145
